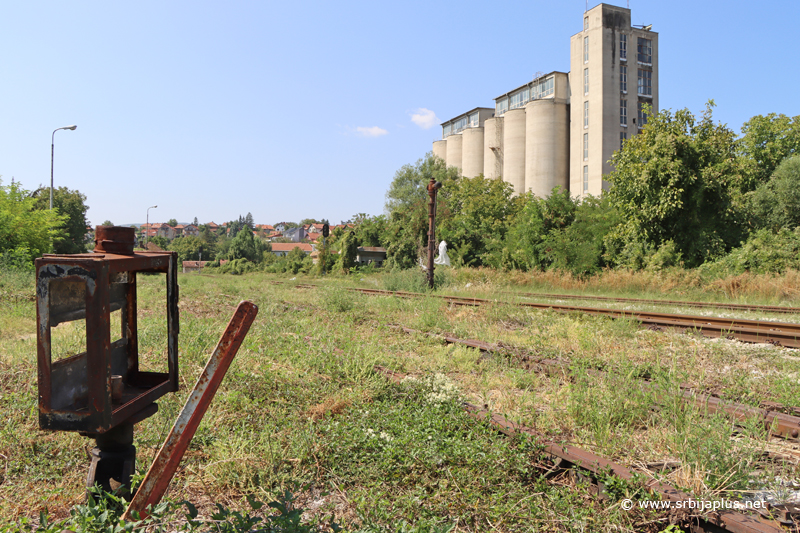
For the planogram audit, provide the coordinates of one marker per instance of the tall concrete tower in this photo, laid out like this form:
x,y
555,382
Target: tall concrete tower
x,y
613,73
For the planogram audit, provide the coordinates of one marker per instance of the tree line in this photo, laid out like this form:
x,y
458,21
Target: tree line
x,y
685,192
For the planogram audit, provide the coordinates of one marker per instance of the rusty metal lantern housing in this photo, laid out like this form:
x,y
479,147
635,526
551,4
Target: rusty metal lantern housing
x,y
103,387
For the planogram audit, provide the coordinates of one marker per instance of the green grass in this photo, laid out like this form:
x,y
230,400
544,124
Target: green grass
x,y
302,407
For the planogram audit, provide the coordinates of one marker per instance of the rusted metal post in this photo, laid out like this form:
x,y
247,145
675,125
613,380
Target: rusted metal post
x,y
169,457
433,186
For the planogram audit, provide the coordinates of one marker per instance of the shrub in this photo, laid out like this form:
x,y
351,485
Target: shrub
x,y
765,251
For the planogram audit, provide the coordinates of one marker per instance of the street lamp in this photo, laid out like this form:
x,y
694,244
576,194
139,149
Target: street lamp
x,y
52,149
147,226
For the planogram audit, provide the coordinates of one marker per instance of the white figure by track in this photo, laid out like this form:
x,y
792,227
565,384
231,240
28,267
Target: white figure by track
x,y
443,258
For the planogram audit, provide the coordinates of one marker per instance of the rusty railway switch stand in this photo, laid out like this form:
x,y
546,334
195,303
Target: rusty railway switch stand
x,y
101,392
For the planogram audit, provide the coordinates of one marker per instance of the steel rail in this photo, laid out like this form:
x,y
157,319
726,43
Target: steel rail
x,y
726,520
781,333
776,422
712,305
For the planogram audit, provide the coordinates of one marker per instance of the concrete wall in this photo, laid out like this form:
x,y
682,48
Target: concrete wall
x,y
493,148
440,149
514,149
546,146
605,95
472,152
454,150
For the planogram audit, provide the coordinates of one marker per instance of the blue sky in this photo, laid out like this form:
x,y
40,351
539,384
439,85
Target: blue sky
x,y
291,110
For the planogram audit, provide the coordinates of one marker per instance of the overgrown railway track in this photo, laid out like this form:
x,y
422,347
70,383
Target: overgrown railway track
x,y
746,330
641,301
566,457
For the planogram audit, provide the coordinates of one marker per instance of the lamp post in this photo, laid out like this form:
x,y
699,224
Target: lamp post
x,y
147,226
52,151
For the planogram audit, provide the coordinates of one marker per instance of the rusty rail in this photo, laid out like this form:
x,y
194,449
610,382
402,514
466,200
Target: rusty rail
x,y
778,423
641,301
169,456
726,520
781,333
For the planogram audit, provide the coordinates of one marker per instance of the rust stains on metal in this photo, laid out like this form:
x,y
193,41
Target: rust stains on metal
x,y
169,457
79,393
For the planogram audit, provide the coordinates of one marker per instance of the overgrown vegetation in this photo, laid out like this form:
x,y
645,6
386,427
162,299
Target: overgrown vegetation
x,y
303,409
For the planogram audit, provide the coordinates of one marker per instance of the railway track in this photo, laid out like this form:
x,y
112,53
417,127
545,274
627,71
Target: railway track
x,y
641,301
566,456
746,330
775,420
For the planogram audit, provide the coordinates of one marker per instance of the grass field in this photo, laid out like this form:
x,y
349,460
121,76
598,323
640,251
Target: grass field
x,y
303,409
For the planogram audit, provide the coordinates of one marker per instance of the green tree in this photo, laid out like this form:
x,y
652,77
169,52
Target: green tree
x,y
524,247
674,182
348,249
765,142
775,204
409,186
579,247
172,222
370,230
406,228
195,222
191,248
107,223
479,212
26,232
71,204
246,246
159,241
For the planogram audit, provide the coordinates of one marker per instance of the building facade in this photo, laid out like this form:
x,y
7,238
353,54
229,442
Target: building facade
x,y
561,129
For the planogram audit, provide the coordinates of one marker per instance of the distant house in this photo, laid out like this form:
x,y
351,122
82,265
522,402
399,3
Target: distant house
x,y
187,230
197,266
313,228
295,234
158,229
371,255
283,248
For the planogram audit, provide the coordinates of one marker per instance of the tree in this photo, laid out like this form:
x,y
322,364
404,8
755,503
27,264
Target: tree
x,y
310,221
159,241
579,247
370,230
348,249
479,214
405,233
172,222
525,246
246,246
107,223
71,204
674,182
191,248
410,183
195,222
26,232
249,222
776,203
766,141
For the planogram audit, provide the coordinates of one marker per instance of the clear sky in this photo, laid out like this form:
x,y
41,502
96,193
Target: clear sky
x,y
293,110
